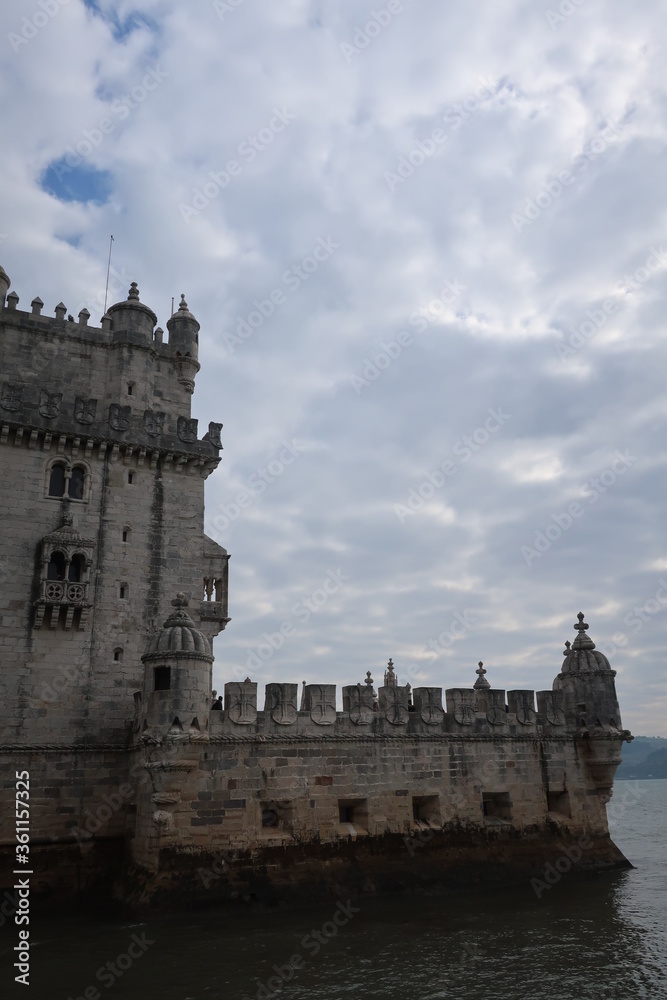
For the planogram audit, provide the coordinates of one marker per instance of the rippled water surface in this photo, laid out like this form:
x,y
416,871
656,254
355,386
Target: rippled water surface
x,y
605,937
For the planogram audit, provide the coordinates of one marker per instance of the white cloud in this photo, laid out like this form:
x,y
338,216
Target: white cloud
x,y
553,94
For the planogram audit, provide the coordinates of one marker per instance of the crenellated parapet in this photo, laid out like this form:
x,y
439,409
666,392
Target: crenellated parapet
x,y
116,389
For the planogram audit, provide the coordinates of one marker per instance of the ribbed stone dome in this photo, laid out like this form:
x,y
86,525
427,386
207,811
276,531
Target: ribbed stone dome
x,y
179,634
582,656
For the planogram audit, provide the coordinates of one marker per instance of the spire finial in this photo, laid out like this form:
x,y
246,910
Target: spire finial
x,y
133,292
180,601
481,681
583,641
183,307
369,680
390,678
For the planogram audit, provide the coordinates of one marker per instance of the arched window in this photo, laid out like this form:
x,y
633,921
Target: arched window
x,y
57,480
56,567
76,568
76,482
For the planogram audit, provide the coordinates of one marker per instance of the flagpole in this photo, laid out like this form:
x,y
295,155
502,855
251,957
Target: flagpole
x,y
106,290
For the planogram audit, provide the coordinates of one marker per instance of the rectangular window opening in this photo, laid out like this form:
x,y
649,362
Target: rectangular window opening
x,y
162,678
559,802
497,805
426,810
354,812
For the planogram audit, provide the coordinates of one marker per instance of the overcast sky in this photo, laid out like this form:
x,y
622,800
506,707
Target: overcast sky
x,y
427,246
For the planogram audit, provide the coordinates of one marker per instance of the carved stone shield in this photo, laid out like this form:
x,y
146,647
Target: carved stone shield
x,y
119,417
241,702
394,705
321,701
521,704
10,397
187,430
85,410
428,702
213,435
281,703
461,704
153,422
49,404
549,704
358,703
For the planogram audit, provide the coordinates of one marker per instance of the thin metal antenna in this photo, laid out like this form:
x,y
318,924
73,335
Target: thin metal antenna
x,y
106,290
172,305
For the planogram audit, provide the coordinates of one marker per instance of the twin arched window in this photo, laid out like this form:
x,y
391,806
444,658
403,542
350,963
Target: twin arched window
x,y
67,481
58,567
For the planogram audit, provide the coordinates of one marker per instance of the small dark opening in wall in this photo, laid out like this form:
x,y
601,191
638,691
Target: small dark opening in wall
x,y
118,654
162,678
130,477
559,802
130,387
354,812
426,809
126,534
122,591
497,805
269,817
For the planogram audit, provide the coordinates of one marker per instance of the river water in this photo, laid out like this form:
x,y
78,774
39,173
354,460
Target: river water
x,y
605,937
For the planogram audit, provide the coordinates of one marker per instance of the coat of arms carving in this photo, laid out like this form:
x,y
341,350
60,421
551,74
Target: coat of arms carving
x,y
10,397
281,703
241,702
187,429
154,422
119,417
49,403
85,410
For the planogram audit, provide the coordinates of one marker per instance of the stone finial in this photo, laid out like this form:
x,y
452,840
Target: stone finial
x,y
12,300
481,681
106,322
37,306
133,294
369,680
180,601
158,335
60,310
84,316
183,306
390,678
566,651
582,641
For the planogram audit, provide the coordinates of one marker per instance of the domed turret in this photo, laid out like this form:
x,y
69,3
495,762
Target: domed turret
x,y
587,680
184,344
177,676
131,321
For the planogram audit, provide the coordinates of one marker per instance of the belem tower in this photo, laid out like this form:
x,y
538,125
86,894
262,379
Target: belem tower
x,y
110,596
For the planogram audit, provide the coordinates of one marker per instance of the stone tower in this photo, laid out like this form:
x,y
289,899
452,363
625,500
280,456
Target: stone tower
x,y
102,492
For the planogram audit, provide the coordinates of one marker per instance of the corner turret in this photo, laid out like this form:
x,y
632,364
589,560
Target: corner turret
x,y
184,344
176,695
131,321
591,707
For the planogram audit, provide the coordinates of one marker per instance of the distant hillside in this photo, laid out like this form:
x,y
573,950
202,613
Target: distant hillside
x,y
645,757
